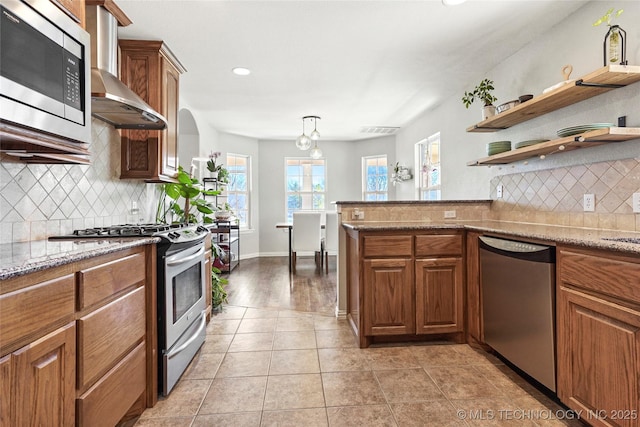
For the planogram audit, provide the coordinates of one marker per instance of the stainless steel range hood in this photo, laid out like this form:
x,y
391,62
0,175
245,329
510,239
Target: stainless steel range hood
x,y
111,100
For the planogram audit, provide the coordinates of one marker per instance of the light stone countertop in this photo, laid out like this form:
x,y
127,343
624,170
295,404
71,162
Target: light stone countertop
x,y
27,257
550,234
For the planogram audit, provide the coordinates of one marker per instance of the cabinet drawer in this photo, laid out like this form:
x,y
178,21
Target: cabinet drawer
x,y
107,333
439,245
108,400
609,276
381,246
26,311
97,283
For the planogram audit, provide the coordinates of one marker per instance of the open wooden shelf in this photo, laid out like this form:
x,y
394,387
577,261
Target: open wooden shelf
x,y
607,78
587,139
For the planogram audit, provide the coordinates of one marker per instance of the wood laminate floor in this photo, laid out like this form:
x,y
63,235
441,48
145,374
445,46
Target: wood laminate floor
x,y
276,356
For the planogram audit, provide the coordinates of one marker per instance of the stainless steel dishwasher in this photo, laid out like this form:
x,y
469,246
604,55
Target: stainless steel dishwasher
x,y
518,304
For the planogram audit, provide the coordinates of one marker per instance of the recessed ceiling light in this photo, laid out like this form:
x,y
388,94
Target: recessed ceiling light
x,y
240,71
452,2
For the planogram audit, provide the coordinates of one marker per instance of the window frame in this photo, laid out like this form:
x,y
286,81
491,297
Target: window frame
x,y
425,190
365,177
310,194
247,193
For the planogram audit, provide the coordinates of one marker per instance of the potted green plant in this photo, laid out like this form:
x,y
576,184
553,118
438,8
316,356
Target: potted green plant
x,y
482,92
195,207
224,212
218,284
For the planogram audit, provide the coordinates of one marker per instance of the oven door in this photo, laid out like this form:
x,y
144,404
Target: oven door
x,y
185,275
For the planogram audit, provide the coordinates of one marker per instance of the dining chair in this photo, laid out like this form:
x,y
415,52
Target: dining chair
x,y
307,235
330,237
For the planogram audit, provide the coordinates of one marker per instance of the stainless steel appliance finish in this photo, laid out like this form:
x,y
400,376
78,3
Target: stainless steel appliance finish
x,y
111,100
518,305
182,312
44,70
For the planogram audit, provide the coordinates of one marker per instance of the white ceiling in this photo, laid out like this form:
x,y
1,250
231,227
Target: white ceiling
x,y
354,63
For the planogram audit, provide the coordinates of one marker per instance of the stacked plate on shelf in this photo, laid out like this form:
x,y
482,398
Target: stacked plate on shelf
x,y
498,147
527,143
575,130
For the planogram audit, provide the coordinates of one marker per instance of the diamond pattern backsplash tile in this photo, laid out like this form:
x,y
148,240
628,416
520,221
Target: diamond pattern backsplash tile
x,y
38,201
558,194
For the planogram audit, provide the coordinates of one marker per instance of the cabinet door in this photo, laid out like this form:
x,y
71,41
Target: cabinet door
x,y
5,391
44,386
598,358
388,297
169,138
439,296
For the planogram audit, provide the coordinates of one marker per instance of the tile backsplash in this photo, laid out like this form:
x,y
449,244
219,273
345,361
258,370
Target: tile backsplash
x,y
555,196
38,200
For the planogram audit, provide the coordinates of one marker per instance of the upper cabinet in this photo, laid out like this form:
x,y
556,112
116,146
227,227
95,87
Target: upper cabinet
x,y
151,70
73,8
595,83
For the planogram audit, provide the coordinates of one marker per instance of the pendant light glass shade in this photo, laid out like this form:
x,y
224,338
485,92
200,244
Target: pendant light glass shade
x,y
315,152
315,135
303,142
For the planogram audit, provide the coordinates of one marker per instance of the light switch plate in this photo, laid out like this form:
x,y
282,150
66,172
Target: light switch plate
x,y
449,214
589,203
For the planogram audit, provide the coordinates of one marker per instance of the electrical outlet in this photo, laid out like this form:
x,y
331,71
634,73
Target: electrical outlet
x,y
357,214
636,202
449,214
134,207
589,203
499,191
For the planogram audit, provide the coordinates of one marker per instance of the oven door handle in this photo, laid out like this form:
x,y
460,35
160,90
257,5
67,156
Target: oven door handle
x,y
203,324
180,260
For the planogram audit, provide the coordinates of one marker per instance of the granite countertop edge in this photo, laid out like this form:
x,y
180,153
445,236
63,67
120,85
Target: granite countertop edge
x,y
550,234
97,248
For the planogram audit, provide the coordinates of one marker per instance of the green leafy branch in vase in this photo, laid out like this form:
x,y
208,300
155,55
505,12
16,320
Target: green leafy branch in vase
x,y
184,202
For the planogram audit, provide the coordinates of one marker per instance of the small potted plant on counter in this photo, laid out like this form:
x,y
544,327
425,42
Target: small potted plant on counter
x,y
482,92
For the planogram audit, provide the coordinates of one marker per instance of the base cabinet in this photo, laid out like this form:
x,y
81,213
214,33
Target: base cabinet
x,y
439,296
404,285
76,347
388,300
41,382
599,337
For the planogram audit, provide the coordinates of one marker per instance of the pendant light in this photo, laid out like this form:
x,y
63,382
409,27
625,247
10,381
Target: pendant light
x,y
315,152
303,142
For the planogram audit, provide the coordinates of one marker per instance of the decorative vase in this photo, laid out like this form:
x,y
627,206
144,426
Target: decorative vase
x,y
614,49
222,215
213,174
488,111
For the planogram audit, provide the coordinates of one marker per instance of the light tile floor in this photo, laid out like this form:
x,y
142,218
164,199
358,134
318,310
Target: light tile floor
x,y
263,367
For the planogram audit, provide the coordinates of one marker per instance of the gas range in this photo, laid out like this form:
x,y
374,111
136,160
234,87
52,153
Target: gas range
x,y
168,233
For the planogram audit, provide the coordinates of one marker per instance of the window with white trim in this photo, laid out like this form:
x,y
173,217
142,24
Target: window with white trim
x,y
375,178
238,191
305,181
429,167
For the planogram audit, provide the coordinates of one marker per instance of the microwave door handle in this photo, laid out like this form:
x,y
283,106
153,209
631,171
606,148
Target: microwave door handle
x,y
203,323
179,260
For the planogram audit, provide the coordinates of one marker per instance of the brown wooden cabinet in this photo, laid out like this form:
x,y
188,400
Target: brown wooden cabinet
x,y
404,284
73,8
151,70
75,347
598,336
388,299
41,381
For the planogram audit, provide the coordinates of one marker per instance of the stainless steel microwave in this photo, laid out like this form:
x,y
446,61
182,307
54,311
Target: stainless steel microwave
x,y
44,70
